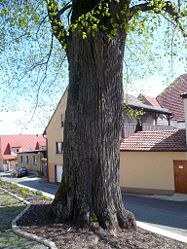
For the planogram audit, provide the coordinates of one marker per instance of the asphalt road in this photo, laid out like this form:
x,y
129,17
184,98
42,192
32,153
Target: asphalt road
x,y
32,181
169,215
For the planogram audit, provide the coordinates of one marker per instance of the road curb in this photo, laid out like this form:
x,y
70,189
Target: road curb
x,y
51,196
162,231
16,229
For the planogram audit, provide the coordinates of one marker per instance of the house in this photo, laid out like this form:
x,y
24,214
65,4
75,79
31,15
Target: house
x,y
54,133
150,162
54,130
156,161
170,99
35,160
11,145
163,119
152,117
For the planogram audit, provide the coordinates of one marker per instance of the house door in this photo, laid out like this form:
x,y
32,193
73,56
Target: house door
x,y
58,173
180,176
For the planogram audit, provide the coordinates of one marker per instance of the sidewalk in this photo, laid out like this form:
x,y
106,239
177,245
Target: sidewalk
x,y
44,193
174,197
162,230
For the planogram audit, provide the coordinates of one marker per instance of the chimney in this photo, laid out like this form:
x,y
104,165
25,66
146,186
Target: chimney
x,y
184,96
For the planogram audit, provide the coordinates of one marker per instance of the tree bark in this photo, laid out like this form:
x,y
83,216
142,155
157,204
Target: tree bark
x,y
93,121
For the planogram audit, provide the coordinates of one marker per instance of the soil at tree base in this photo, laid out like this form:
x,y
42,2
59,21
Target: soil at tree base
x,y
67,236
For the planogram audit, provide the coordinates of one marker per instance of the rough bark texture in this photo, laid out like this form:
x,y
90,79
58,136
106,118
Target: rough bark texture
x,y
90,184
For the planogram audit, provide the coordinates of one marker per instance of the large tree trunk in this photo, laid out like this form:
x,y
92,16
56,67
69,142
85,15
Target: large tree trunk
x,y
90,184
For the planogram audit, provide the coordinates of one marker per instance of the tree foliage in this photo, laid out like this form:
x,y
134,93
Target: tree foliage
x,y
33,24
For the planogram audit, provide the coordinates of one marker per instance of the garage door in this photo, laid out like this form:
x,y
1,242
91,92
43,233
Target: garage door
x,y
180,174
58,173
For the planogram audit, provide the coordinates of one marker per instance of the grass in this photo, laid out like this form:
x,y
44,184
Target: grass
x,y
25,192
10,207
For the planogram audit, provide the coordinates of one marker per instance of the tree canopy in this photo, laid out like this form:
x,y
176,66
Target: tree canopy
x,y
155,28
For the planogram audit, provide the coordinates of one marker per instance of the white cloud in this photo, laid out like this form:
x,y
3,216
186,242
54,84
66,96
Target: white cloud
x,y
18,122
152,86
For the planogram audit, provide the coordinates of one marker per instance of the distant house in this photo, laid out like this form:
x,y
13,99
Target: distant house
x,y
54,133
170,99
35,160
11,145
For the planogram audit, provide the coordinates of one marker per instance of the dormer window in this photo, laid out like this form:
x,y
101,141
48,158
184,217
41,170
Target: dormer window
x,y
43,147
15,150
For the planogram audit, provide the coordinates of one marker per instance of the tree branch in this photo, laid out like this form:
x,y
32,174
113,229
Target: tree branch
x,y
54,15
66,7
167,7
43,78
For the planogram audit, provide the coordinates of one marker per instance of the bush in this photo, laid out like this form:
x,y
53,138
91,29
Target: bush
x,y
24,191
39,193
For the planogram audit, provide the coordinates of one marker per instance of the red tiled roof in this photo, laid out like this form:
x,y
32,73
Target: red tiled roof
x,y
9,157
163,140
25,142
151,100
170,98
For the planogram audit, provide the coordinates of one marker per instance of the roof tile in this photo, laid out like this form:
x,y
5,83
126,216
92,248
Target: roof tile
x,y
25,142
163,140
170,98
151,100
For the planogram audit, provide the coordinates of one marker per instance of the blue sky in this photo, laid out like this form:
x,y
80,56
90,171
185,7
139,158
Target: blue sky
x,y
18,94
16,122
16,112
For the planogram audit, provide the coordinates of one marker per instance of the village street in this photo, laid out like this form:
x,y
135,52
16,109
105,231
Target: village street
x,y
159,213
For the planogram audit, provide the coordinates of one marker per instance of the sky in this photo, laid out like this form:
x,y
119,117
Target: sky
x,y
18,97
20,119
11,123
18,122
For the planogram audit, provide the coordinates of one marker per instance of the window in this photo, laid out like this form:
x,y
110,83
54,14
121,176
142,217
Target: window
x,y
59,147
21,159
62,120
15,150
34,160
27,159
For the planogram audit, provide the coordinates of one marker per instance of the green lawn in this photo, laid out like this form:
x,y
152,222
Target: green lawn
x,y
9,208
